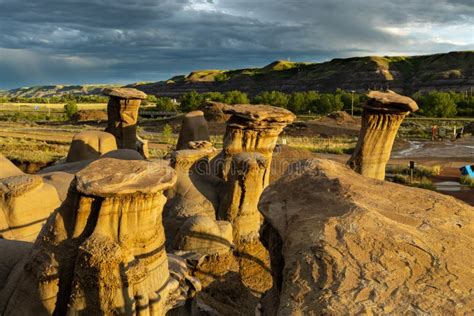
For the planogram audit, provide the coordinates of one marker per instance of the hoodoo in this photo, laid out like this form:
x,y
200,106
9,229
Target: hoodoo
x,y
122,112
102,251
381,119
253,128
243,188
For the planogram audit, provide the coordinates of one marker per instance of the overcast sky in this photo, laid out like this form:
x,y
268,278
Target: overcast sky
x,y
124,41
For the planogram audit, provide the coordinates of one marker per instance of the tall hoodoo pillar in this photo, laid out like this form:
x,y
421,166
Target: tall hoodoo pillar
x,y
381,119
245,184
122,112
253,128
102,252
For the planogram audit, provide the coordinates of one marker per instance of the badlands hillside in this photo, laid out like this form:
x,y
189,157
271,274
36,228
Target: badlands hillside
x,y
449,71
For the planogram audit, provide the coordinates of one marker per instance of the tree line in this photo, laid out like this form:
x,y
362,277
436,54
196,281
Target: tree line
x,y
432,104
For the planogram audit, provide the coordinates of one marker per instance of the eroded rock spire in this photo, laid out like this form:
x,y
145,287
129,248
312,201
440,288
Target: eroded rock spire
x,y
382,116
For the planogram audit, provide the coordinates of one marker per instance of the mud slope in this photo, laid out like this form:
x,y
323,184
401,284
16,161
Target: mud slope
x,y
344,244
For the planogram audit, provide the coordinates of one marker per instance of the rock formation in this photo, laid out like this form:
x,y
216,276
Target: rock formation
x,y
341,243
214,112
382,116
204,235
253,128
190,213
245,183
193,128
90,145
102,252
8,169
25,204
122,112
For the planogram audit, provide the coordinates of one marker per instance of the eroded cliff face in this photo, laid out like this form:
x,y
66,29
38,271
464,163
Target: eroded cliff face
x,y
341,243
102,251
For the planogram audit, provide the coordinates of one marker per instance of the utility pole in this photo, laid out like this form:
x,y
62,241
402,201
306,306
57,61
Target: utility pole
x,y
352,102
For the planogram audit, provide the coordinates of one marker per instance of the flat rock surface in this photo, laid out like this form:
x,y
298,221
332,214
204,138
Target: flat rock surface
x,y
7,168
109,176
260,112
391,101
125,93
353,245
17,185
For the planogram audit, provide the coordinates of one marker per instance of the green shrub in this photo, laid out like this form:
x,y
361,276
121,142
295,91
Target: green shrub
x,y
191,101
467,180
165,104
167,133
70,108
275,98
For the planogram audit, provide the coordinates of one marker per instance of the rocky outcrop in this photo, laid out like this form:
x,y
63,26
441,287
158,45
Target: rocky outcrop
x,y
8,169
122,112
214,112
381,119
102,251
90,145
193,128
26,202
253,128
342,243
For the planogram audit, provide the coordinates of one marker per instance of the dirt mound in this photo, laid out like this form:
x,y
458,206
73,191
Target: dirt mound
x,y
341,243
340,117
334,124
89,115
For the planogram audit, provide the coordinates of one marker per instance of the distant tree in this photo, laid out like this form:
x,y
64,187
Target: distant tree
x,y
165,104
191,101
213,96
328,103
439,104
235,97
297,102
70,108
275,98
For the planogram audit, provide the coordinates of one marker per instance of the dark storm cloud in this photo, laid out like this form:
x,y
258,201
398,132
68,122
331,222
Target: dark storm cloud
x,y
72,41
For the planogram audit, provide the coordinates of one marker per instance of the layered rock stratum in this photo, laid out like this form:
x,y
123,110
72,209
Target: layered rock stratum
x,y
341,243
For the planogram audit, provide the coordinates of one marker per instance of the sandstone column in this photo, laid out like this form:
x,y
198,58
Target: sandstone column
x,y
190,213
382,116
102,252
245,184
253,128
122,112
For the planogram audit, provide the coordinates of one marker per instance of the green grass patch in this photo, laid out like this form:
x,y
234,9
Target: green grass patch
x,y
29,150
